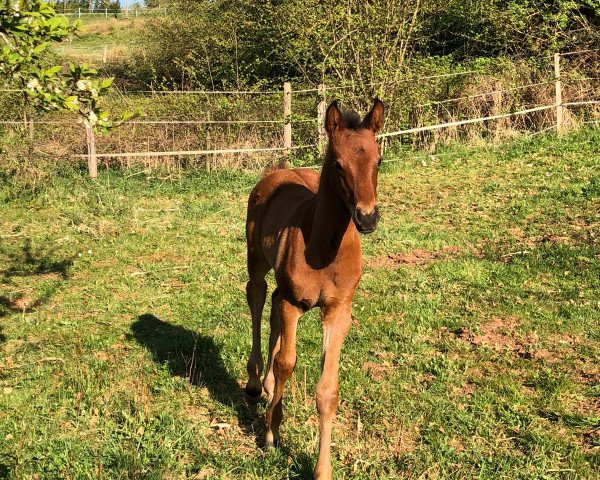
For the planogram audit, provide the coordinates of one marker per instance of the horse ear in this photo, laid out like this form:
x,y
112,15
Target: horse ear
x,y
374,119
333,118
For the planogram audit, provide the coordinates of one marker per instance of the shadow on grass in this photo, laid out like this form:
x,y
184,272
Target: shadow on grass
x,y
26,262
303,466
4,470
197,358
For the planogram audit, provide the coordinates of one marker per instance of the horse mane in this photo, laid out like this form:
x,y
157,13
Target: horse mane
x,y
351,120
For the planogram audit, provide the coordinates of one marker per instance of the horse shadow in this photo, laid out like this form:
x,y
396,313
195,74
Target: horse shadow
x,y
27,262
197,358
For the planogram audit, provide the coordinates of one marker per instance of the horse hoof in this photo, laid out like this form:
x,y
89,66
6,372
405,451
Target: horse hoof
x,y
270,445
252,393
271,441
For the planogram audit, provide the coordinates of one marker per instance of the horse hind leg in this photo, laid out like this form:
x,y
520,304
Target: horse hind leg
x,y
256,292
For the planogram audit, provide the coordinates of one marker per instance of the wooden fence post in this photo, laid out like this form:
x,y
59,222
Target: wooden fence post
x,y
91,148
287,114
105,54
208,157
30,138
321,110
558,101
106,13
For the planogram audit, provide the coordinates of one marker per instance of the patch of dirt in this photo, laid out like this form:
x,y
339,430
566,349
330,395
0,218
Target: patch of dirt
x,y
465,390
206,472
157,257
516,232
416,257
589,406
476,251
384,354
457,444
406,442
587,372
312,421
501,335
111,262
426,379
101,355
376,371
21,303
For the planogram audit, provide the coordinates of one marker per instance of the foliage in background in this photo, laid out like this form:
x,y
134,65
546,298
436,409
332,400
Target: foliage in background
x,y
27,30
225,43
135,63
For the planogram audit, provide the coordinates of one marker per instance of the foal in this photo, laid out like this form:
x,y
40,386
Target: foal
x,y
305,228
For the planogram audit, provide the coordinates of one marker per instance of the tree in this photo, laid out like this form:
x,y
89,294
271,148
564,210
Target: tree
x,y
27,30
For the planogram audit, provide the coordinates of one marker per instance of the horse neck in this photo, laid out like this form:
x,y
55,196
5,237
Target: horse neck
x,y
331,217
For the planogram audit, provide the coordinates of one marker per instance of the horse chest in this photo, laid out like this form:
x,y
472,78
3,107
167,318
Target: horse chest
x,y
312,287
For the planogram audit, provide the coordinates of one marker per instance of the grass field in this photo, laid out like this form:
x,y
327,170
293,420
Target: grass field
x,y
118,35
474,352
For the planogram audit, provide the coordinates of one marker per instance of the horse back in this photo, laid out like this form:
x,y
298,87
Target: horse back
x,y
281,200
284,189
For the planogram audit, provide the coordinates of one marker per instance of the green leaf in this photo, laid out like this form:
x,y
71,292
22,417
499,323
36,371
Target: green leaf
x,y
107,82
72,102
41,47
126,115
51,71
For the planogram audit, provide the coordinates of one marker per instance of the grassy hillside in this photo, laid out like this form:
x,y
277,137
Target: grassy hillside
x,y
119,36
474,351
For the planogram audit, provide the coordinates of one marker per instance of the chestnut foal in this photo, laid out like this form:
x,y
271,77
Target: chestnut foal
x,y
305,228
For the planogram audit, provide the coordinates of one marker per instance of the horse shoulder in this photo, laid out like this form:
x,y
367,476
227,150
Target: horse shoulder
x,y
345,271
302,282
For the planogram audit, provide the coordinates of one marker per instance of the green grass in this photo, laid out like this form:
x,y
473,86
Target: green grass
x,y
118,35
474,352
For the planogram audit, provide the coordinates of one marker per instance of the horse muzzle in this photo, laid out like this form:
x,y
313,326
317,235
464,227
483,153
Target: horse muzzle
x,y
366,222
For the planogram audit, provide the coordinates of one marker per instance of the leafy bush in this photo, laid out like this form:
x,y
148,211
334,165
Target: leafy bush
x,y
225,44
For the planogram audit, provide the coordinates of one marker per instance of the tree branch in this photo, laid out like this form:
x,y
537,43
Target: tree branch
x,y
7,41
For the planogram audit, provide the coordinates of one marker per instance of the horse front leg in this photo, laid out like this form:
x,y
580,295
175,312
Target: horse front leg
x,y
336,321
284,361
256,291
274,344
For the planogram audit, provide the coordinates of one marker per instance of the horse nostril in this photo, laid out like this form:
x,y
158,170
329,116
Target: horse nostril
x,y
366,221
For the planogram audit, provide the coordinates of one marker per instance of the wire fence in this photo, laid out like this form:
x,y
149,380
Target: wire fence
x,y
303,130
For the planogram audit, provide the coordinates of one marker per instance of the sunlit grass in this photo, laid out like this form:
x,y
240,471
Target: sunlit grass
x,y
474,351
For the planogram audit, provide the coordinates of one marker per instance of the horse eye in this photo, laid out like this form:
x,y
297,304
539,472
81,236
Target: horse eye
x,y
338,166
379,162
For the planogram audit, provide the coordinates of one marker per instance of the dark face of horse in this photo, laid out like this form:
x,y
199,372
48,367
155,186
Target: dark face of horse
x,y
356,158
